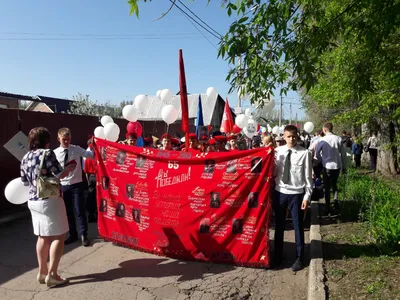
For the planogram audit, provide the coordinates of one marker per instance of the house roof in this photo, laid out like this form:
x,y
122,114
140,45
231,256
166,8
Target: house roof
x,y
19,97
56,104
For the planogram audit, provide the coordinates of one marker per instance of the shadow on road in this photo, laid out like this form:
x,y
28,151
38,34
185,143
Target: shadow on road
x,y
153,268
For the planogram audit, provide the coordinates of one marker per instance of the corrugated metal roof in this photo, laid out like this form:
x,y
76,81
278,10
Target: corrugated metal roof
x,y
156,106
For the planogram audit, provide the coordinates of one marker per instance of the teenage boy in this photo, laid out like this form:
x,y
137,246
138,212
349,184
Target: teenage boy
x,y
72,186
293,188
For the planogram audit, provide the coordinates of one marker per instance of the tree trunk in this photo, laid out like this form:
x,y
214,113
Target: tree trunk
x,y
387,155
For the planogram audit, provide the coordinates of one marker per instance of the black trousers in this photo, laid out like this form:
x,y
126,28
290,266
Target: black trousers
x,y
74,200
280,202
317,168
330,181
91,202
373,154
357,159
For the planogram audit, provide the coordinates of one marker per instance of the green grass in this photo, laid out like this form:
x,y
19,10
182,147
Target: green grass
x,y
369,199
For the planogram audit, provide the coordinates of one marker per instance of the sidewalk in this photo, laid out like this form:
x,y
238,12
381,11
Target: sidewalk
x,y
104,271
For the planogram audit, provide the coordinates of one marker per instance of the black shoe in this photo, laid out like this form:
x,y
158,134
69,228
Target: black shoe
x,y
85,241
336,205
70,239
297,266
92,219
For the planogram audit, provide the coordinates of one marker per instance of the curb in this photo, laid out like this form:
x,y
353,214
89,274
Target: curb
x,y
316,274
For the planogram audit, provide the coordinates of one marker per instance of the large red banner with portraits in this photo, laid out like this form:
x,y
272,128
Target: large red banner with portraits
x,y
212,207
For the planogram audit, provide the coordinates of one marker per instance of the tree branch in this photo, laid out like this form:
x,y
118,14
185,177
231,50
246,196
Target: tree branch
x,y
169,9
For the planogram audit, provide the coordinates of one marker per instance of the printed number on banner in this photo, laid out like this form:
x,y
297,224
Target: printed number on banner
x,y
173,165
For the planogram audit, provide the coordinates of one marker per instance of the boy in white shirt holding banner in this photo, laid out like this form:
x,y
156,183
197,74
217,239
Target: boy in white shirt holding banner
x,y
293,188
72,186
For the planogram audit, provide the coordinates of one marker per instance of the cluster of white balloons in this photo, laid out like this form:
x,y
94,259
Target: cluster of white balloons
x,y
247,123
109,131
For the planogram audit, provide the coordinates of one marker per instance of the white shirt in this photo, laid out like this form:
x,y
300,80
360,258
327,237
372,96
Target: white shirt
x,y
300,172
74,153
331,152
313,146
373,142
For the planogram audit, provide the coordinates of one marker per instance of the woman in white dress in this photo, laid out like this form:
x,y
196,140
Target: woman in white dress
x,y
49,217
373,150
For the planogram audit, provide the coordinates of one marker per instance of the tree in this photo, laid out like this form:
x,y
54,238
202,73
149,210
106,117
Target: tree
x,y
83,105
342,55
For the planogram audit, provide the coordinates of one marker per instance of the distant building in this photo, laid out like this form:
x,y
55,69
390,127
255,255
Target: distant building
x,y
34,103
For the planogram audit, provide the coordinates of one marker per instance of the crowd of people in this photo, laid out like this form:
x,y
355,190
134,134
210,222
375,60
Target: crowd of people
x,y
301,163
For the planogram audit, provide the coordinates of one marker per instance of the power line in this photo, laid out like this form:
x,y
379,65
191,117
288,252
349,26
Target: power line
x,y
98,35
199,18
202,26
97,38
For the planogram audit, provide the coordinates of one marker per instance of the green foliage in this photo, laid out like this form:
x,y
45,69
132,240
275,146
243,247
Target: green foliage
x,y
83,105
379,205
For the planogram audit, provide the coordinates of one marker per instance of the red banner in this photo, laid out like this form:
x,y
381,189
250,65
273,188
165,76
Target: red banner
x,y
212,207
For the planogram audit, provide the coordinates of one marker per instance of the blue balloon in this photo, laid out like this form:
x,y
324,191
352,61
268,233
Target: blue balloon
x,y
140,142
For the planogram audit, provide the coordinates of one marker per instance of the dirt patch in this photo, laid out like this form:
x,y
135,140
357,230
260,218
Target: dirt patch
x,y
355,268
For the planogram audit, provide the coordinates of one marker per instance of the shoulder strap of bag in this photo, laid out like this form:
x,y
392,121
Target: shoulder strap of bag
x,y
41,163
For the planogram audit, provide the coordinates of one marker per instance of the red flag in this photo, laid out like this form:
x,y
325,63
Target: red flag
x,y
227,120
184,99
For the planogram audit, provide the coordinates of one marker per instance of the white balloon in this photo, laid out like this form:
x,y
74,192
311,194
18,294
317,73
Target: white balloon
x,y
241,121
166,96
130,113
269,129
111,131
275,130
282,129
169,114
263,129
251,128
247,112
158,94
16,192
308,127
105,120
99,132
211,93
141,103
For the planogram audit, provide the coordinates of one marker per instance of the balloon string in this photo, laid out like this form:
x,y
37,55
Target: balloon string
x,y
167,128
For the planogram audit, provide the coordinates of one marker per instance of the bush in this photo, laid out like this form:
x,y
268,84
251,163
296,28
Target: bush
x,y
379,204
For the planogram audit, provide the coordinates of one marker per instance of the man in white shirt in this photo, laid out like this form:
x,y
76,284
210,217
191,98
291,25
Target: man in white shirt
x,y
331,153
293,188
72,186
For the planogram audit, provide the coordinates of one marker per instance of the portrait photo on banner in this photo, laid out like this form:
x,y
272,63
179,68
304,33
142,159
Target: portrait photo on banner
x,y
136,215
209,166
256,165
121,156
105,182
231,166
103,205
237,226
252,200
140,161
205,225
120,212
130,189
215,200
103,153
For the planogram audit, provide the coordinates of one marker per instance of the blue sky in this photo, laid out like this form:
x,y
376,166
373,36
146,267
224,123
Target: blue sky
x,y
60,48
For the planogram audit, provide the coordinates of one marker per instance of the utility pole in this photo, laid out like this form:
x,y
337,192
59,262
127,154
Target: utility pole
x,y
280,113
290,122
238,109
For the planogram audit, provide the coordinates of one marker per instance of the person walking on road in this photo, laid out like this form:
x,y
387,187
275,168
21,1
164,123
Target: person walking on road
x,y
331,152
293,189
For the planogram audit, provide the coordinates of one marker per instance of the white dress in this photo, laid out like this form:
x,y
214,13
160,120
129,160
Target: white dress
x,y
49,217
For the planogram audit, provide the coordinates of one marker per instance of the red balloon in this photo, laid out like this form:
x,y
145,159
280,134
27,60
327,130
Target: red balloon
x,y
134,127
236,129
258,127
